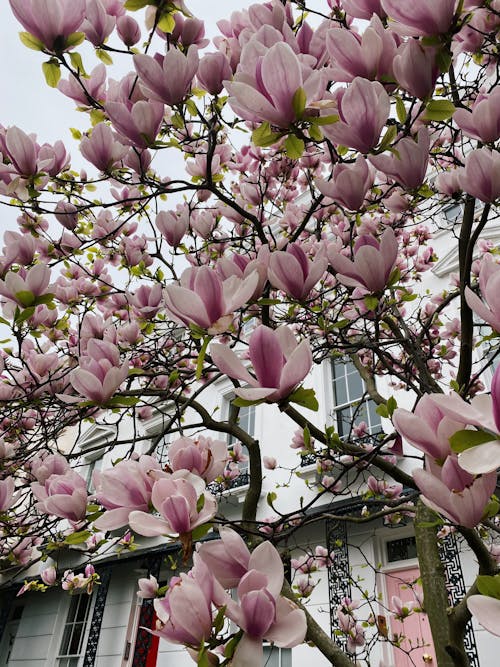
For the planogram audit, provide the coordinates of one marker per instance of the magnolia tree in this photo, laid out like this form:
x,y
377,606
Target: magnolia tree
x,y
318,146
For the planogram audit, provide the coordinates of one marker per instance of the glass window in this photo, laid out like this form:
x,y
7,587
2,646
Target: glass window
x,y
453,213
277,657
351,405
402,549
74,630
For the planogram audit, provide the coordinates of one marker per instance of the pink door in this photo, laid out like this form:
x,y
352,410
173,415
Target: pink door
x,y
414,631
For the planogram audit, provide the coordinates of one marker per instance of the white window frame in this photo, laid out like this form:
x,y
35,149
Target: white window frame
x,y
362,409
75,659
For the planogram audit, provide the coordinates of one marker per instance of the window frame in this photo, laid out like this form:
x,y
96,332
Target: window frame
x,y
65,659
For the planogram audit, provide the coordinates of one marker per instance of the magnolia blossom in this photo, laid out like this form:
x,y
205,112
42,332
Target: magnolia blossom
x,y
489,276
64,496
486,611
456,497
24,286
482,122
204,299
101,371
279,363
363,109
124,488
427,17
7,497
372,265
481,175
267,92
148,587
176,497
409,165
167,78
292,272
50,21
202,456
349,184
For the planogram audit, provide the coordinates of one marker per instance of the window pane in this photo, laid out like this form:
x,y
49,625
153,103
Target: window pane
x,y
355,385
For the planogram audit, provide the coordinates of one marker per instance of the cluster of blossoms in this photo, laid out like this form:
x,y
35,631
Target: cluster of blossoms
x,y
307,243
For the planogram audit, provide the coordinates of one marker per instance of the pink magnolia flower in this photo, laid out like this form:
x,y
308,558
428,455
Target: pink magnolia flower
x,y
148,587
481,175
176,497
173,225
293,273
264,86
98,23
489,276
202,456
372,265
415,68
7,497
486,611
409,166
64,496
427,428
100,373
352,629
124,488
463,504
167,78
139,124
24,286
43,467
426,17
349,184
279,363
363,9
50,21
102,149
484,412
261,612
402,609
369,55
128,30
228,558
270,462
185,613
146,301
49,575
213,69
204,299
363,109
483,121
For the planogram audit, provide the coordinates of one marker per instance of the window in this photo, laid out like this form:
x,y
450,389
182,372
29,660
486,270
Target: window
x,y
277,657
351,406
74,630
452,213
246,421
10,632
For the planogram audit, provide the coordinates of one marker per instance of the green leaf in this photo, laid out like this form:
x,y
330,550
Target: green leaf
x,y
200,503
52,72
467,438
31,41
78,538
263,136
392,404
25,298
439,110
443,60
167,23
400,109
122,401
200,531
75,39
271,497
306,398
104,56
23,315
268,302
388,138
201,356
76,61
371,302
294,147
382,410
134,5
326,120
307,436
97,116
489,586
299,100
244,403
315,133
219,620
